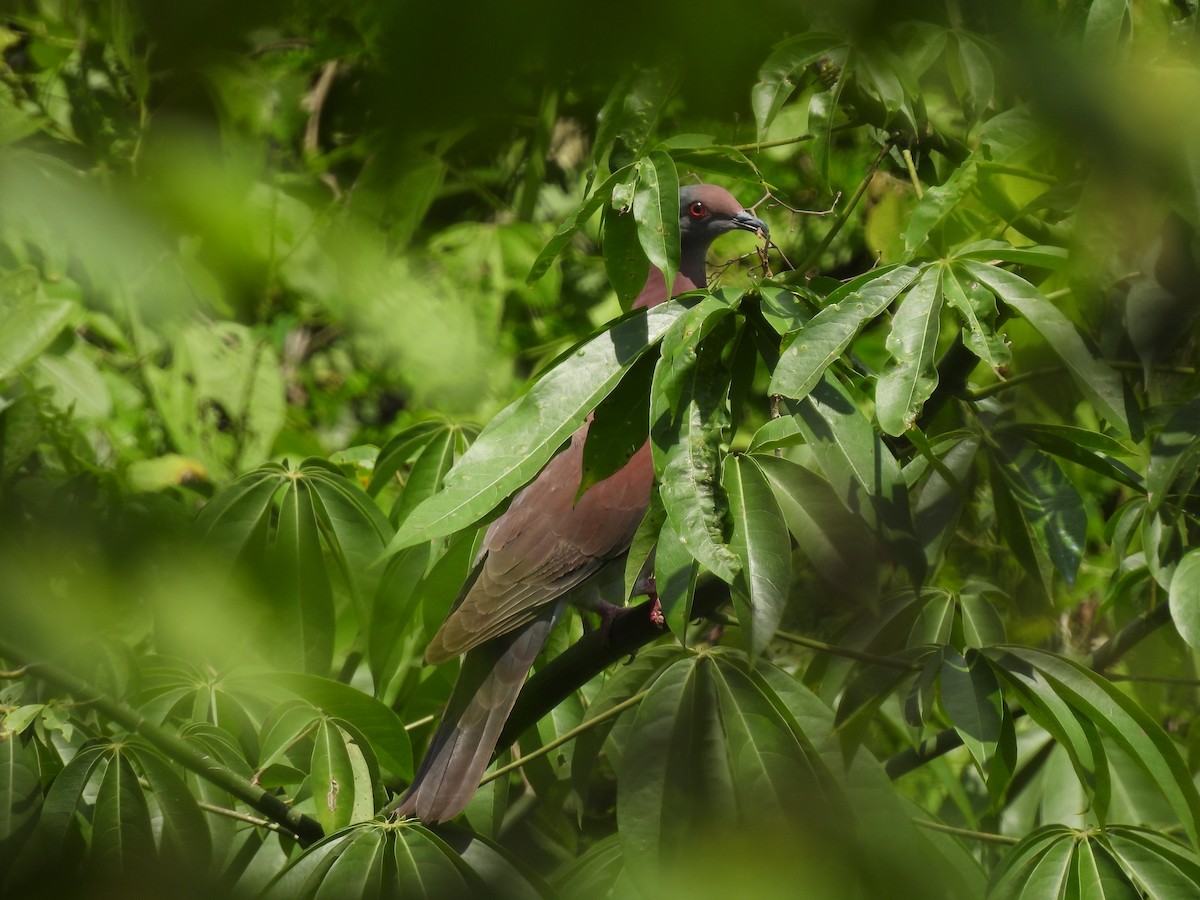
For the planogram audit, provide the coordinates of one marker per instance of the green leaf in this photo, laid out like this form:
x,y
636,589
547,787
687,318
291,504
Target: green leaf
x,y
938,204
816,345
305,597
977,307
981,624
1126,723
656,211
240,512
688,415
782,72
1185,598
427,474
979,81
1037,255
399,451
860,467
572,224
712,746
620,426
839,546
1106,20
760,540
332,777
1175,458
57,820
644,541
377,722
1162,867
625,261
122,836
620,684
20,786
972,700
184,835
1049,503
29,326
943,496
514,446
822,115
1010,877
354,529
675,574
1098,383
906,384
1091,449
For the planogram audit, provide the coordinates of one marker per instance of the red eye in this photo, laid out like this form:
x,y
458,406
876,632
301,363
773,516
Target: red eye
x,y
697,210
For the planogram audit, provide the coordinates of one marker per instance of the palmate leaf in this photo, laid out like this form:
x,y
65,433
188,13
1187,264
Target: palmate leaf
x,y
709,748
938,204
377,861
184,837
817,344
522,437
862,470
374,720
779,76
1119,862
837,543
1094,702
1175,458
1049,503
688,415
1097,382
122,836
20,786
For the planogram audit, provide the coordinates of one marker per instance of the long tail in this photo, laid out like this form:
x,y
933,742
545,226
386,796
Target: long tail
x,y
487,687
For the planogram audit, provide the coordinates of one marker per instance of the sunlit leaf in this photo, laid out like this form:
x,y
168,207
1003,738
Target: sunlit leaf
x,y
906,384
818,343
515,445
688,414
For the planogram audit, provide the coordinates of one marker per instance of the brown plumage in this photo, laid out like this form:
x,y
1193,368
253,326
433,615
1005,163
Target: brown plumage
x,y
543,551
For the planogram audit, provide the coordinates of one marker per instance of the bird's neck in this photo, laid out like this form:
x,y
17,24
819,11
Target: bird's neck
x,y
690,277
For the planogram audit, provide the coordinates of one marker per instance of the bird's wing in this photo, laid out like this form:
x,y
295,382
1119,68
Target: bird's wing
x,y
544,545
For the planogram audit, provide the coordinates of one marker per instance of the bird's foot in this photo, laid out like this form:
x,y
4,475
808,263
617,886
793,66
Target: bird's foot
x,y
608,613
656,613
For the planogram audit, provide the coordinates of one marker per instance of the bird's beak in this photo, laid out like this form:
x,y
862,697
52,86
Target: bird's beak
x,y
747,221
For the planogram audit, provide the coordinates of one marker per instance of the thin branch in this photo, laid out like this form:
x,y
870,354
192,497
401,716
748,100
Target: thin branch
x,y
173,747
844,217
912,173
985,836
424,720
240,816
779,142
822,647
567,736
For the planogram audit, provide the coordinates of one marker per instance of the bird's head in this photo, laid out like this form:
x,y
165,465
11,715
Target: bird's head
x,y
706,212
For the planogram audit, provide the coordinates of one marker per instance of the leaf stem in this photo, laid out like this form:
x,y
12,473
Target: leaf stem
x,y
985,836
821,647
567,736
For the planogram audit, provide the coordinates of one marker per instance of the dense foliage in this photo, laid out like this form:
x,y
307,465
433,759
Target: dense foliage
x,y
272,278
